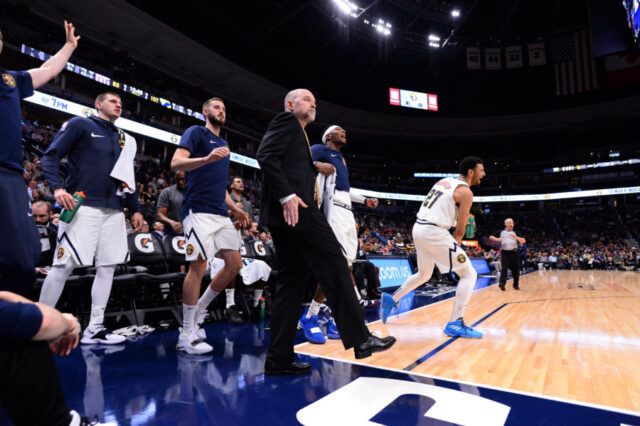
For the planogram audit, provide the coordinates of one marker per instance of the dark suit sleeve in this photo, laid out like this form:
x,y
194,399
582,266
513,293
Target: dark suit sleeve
x,y
274,145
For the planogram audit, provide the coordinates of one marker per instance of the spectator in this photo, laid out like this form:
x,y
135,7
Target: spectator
x,y
169,204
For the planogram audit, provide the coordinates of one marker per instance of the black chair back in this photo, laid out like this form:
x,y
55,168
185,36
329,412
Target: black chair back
x,y
145,249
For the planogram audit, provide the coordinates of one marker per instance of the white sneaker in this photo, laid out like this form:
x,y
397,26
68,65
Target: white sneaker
x,y
200,333
191,344
76,420
99,334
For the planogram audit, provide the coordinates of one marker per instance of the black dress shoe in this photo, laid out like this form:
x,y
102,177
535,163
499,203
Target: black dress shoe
x,y
373,344
233,315
293,368
501,285
516,287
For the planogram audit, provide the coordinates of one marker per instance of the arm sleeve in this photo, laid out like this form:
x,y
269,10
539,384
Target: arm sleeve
x,y
274,145
19,321
357,198
24,83
132,202
69,133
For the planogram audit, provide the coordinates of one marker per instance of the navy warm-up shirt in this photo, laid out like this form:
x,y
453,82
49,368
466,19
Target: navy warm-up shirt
x,y
205,187
18,321
15,85
325,154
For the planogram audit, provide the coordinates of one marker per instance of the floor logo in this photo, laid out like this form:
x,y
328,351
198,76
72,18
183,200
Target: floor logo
x,y
372,401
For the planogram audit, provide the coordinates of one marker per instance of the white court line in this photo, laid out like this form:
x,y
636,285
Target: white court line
x,y
517,392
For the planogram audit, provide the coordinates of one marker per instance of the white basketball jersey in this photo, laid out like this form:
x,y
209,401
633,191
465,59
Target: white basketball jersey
x,y
439,208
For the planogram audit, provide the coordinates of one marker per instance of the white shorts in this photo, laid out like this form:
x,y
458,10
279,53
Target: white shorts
x,y
343,225
253,270
94,232
435,244
206,234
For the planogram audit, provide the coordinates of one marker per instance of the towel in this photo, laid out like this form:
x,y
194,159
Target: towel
x,y
327,186
123,169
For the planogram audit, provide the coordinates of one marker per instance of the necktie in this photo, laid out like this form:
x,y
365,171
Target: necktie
x,y
316,195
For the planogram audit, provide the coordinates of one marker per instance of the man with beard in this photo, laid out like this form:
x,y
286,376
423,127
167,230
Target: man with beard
x,y
303,239
341,221
204,156
447,205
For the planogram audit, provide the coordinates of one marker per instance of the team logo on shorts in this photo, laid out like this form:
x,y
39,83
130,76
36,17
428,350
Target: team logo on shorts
x,y
461,258
9,80
60,252
189,249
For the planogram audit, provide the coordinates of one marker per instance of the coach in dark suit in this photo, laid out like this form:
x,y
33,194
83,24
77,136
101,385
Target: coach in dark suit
x,y
303,240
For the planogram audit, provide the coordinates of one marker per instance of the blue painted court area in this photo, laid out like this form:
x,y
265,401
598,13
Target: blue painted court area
x,y
146,381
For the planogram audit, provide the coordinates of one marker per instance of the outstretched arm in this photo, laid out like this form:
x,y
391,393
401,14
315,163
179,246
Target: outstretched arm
x,y
57,62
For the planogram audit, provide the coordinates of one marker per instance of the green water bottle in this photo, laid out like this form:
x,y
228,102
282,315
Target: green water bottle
x,y
470,231
262,311
67,215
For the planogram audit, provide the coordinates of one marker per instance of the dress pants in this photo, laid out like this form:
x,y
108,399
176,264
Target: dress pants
x,y
313,248
30,389
510,260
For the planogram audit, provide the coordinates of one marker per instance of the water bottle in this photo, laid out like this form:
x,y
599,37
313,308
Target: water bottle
x,y
67,215
470,231
262,311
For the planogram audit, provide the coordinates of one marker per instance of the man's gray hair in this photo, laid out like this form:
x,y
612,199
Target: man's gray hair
x,y
291,96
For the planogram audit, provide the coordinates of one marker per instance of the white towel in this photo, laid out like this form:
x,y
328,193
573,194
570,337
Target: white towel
x,y
123,169
326,186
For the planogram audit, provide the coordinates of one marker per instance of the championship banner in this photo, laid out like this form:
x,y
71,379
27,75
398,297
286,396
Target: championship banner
x,y
473,58
537,54
513,56
492,58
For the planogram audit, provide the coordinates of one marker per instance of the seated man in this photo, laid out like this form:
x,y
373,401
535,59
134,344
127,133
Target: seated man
x,y
29,332
42,213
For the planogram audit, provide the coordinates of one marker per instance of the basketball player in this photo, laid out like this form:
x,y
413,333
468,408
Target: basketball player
x,y
20,248
341,221
92,146
204,156
447,205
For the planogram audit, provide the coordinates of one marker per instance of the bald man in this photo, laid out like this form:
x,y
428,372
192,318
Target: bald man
x,y
303,240
509,242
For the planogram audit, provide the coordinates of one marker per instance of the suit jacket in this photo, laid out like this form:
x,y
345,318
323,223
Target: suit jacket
x,y
287,168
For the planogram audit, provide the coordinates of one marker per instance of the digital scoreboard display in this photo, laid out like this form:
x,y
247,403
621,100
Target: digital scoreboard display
x,y
411,99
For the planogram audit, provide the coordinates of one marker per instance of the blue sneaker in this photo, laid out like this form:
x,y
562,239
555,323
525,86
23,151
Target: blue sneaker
x,y
459,329
332,329
386,306
311,329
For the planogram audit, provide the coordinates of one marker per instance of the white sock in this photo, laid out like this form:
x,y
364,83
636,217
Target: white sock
x,y
231,292
100,292
54,283
188,318
464,291
257,294
206,299
355,288
314,308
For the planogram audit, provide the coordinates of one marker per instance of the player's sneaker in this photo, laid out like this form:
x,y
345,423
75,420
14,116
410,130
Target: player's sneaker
x,y
200,333
99,334
387,304
311,329
233,315
332,329
190,344
459,329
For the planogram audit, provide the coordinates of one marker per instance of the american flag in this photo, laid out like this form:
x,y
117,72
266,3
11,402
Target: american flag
x,y
574,68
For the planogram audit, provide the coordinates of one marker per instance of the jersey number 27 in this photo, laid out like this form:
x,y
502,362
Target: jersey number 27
x,y
432,197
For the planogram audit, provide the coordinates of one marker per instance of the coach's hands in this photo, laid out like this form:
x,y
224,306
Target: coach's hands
x,y
290,210
137,221
65,199
324,168
64,344
218,154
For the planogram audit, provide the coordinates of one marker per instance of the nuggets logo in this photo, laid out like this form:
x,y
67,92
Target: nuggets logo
x,y
60,252
189,249
87,112
9,80
121,141
461,258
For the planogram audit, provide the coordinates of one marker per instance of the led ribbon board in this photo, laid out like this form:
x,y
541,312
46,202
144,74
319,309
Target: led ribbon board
x,y
63,105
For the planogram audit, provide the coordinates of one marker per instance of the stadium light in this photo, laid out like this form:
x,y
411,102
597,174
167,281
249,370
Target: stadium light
x,y
432,44
433,37
455,13
346,6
